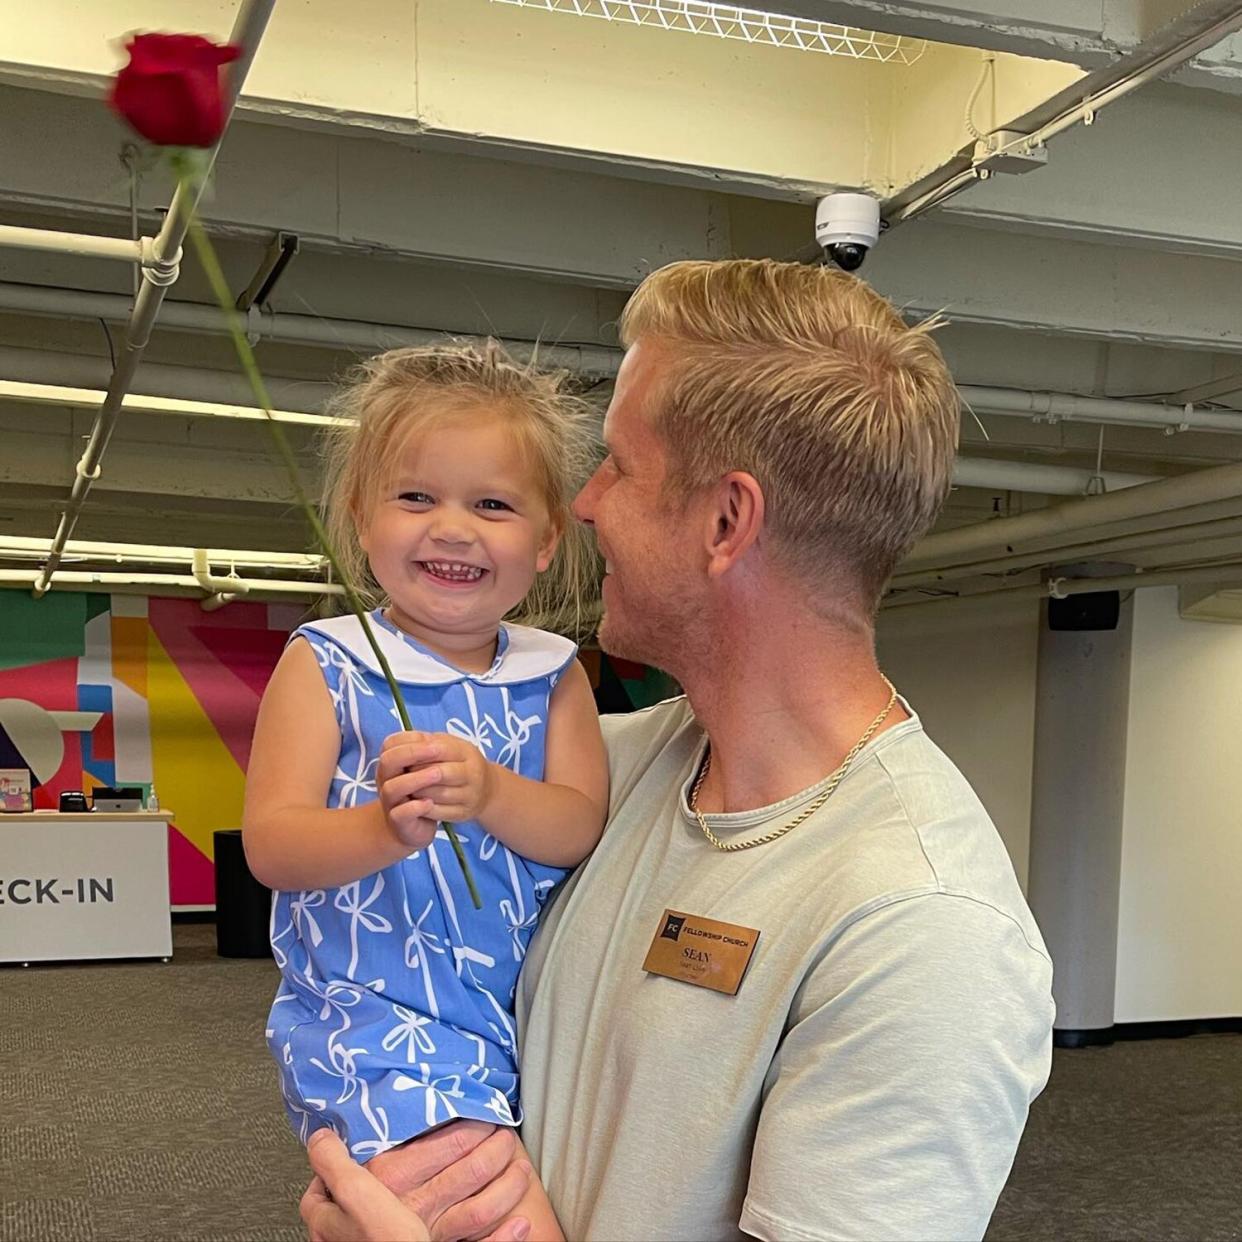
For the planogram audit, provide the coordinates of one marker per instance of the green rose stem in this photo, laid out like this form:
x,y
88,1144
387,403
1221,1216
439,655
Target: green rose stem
x,y
211,265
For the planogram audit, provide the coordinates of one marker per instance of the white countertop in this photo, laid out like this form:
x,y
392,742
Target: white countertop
x,y
9,817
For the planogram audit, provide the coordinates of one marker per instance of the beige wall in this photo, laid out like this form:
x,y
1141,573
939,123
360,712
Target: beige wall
x,y
969,671
1179,944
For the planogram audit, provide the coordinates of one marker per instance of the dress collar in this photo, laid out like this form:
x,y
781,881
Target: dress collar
x,y
522,654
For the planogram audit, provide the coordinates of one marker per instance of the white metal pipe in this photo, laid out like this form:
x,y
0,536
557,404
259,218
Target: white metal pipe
x,y
92,398
1226,575
220,590
247,31
128,249
21,547
1038,477
1033,477
1068,407
49,367
1051,547
1061,588
594,360
106,580
1196,535
1000,536
350,334
1202,26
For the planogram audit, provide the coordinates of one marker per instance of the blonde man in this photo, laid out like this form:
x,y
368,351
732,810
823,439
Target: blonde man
x,y
777,441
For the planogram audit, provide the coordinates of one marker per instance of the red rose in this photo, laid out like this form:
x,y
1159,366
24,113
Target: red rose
x,y
170,90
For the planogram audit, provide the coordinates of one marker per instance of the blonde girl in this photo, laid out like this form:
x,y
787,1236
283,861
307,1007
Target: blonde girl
x,y
448,493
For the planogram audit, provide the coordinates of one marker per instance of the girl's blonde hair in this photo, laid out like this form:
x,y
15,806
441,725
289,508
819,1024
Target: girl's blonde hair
x,y
392,396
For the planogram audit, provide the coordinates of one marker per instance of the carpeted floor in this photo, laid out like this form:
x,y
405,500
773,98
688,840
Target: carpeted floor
x,y
137,1101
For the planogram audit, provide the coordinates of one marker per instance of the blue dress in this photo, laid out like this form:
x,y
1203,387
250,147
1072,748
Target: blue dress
x,y
395,1010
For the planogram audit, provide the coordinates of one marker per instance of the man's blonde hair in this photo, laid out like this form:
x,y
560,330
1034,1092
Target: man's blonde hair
x,y
809,380
407,392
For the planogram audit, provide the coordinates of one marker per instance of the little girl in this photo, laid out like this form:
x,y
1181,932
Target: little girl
x,y
449,494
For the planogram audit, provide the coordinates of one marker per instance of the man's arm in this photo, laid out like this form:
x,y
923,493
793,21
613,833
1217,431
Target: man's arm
x,y
895,1102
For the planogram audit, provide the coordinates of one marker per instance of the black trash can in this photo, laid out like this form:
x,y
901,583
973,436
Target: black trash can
x,y
243,905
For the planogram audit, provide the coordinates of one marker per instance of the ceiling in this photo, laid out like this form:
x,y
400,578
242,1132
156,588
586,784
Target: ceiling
x,y
468,167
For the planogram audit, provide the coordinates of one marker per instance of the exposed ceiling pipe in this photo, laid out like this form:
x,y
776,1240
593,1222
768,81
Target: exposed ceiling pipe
x,y
154,584
20,547
90,398
1195,536
220,591
1038,478
128,249
348,334
1227,575
45,366
1003,536
1202,26
593,361
247,31
1022,476
1055,407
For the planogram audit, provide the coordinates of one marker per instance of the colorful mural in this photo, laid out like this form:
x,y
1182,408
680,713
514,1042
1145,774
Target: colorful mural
x,y
134,691
125,690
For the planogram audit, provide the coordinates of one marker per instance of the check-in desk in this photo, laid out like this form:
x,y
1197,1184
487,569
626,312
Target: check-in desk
x,y
84,885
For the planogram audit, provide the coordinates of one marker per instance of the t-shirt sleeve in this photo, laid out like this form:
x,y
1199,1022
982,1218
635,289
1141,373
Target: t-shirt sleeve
x,y
898,1093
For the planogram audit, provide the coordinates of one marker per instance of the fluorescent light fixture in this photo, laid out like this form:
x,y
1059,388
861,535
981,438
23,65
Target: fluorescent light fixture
x,y
728,21
24,548
93,398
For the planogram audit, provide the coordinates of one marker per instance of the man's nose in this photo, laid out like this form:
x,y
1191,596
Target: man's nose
x,y
584,502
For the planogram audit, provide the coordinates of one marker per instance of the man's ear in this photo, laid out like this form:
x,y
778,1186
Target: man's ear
x,y
733,521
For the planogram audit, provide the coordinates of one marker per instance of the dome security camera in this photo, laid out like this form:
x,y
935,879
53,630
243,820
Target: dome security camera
x,y
846,227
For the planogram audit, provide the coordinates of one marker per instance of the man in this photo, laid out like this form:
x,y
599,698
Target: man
x,y
796,992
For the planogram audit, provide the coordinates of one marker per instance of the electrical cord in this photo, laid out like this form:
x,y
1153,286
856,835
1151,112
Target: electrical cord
x,y
989,63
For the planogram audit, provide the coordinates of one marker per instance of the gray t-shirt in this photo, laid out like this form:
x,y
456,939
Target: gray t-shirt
x,y
871,1077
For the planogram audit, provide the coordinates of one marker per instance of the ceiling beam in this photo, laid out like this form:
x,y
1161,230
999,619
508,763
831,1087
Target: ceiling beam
x,y
984,276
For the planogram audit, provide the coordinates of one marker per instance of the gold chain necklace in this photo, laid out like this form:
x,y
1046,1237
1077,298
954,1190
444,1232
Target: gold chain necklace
x,y
833,781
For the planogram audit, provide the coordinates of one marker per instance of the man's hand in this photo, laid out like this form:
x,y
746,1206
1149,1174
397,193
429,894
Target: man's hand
x,y
345,1203
456,1182
447,778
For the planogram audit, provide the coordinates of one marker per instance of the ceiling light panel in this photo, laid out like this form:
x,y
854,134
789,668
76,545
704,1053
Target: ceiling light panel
x,y
728,21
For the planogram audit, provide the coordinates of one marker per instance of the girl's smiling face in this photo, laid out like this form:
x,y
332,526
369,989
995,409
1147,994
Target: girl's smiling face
x,y
457,538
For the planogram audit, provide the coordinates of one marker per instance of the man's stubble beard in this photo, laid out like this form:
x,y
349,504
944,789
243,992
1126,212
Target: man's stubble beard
x,y
660,637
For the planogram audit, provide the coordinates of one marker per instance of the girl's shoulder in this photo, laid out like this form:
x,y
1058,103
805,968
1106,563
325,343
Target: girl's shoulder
x,y
531,653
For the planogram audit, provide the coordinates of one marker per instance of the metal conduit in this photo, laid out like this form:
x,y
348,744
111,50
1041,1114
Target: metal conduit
x,y
1015,535
1044,479
1068,407
130,250
90,580
247,31
1225,575
1195,535
600,361
1200,27
155,379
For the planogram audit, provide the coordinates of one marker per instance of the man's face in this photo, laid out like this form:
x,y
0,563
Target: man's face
x,y
648,544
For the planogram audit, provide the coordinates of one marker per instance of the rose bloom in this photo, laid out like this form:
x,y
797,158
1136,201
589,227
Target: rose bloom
x,y
170,90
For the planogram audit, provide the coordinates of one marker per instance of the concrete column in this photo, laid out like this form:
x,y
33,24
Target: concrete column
x,y
1077,795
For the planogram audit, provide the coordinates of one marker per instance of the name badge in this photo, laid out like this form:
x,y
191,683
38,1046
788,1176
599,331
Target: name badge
x,y
701,951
